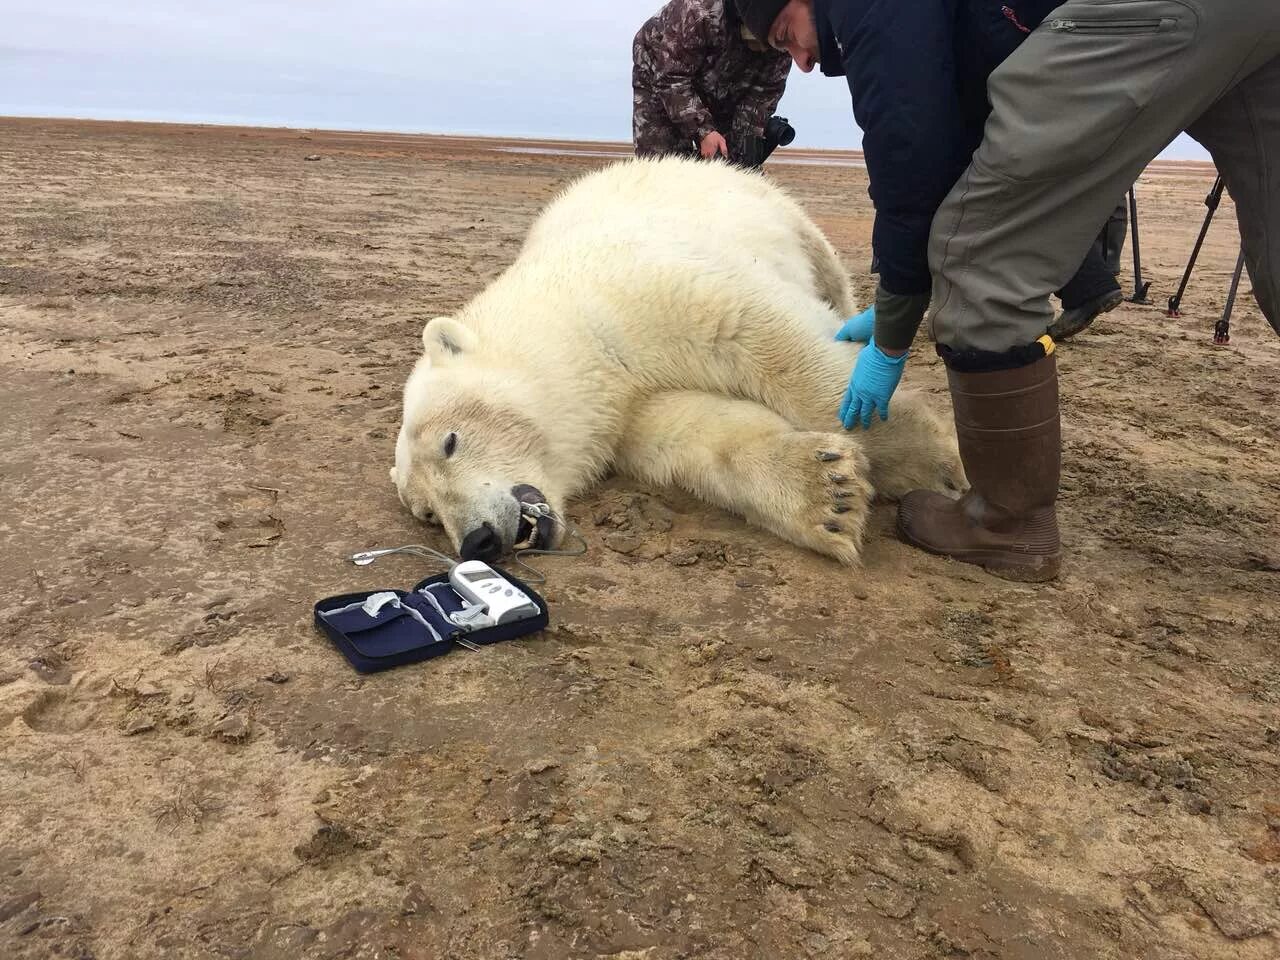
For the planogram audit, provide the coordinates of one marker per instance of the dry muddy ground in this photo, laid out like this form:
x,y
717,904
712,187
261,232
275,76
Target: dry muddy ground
x,y
723,747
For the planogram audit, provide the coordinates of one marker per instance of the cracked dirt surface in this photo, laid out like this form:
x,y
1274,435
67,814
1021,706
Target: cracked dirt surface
x,y
723,747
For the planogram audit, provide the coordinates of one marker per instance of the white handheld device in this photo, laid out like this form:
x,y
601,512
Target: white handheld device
x,y
482,586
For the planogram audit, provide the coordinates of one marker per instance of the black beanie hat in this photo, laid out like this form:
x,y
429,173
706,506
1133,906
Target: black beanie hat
x,y
759,15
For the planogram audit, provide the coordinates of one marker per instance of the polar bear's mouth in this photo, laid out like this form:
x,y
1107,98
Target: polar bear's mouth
x,y
536,527
526,534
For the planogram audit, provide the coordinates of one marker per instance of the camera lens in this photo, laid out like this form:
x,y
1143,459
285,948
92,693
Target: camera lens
x,y
780,131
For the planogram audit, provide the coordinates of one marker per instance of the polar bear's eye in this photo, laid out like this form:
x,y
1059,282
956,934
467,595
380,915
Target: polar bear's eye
x,y
450,444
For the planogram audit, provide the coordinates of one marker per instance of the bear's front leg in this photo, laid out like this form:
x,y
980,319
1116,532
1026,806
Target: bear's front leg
x,y
807,487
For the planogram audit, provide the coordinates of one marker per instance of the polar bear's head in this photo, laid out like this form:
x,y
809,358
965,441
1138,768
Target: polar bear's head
x,y
468,454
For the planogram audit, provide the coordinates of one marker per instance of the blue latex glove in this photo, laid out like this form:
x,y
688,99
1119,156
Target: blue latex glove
x,y
859,329
875,377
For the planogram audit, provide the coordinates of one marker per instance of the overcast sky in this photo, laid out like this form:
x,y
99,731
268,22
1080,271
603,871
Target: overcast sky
x,y
541,68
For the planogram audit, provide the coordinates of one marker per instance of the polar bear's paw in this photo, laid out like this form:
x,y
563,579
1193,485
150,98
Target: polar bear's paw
x,y
820,493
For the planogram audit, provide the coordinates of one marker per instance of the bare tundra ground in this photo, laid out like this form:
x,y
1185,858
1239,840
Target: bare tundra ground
x,y
723,747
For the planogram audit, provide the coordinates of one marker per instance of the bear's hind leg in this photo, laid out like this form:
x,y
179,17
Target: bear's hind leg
x,y
810,488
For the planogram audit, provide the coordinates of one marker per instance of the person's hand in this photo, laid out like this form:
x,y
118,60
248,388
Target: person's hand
x,y
712,144
859,329
875,377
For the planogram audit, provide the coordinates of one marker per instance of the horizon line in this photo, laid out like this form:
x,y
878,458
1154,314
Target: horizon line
x,y
622,147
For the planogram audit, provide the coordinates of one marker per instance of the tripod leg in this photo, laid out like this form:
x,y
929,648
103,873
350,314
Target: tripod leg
x,y
1211,201
1222,330
1139,288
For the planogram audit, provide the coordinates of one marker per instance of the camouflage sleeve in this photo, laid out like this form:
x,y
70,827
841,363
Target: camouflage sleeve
x,y
685,27
760,100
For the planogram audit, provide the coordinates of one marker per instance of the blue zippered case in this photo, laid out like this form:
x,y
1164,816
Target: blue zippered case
x,y
414,625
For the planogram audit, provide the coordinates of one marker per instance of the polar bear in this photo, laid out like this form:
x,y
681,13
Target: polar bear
x,y
671,320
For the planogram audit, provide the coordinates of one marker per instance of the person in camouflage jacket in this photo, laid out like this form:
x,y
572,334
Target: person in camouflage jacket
x,y
701,84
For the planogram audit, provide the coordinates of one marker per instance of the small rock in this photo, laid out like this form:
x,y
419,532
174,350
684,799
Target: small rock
x,y
1199,804
51,670
608,517
138,723
276,677
862,948
416,901
482,836
540,766
321,797
147,689
651,550
916,851
312,156
11,908
786,871
624,543
683,558
891,902
1095,719
1238,913
291,939
573,852
771,821
330,842
635,815
657,516
977,765
232,729
765,655
623,836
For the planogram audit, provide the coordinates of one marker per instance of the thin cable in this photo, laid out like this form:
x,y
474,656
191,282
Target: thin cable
x,y
570,530
366,557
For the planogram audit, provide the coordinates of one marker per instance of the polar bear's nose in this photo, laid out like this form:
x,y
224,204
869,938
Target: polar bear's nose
x,y
482,543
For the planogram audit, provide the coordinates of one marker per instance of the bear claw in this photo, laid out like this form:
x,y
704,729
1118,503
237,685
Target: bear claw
x,y
831,527
826,456
841,508
838,478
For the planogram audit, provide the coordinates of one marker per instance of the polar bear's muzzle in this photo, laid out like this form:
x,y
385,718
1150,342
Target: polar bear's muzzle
x,y
535,528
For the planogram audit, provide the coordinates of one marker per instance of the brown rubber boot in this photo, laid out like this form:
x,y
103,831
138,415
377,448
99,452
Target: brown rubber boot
x,y
1010,443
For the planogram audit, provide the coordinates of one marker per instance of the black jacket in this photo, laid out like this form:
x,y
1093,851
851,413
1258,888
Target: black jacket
x,y
917,71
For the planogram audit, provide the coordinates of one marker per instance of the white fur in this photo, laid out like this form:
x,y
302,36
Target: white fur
x,y
673,319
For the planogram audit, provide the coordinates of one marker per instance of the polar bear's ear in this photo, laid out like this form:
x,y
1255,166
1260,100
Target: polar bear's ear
x,y
445,337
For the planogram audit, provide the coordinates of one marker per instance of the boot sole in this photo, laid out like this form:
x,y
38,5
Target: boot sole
x,y
1006,566
1066,332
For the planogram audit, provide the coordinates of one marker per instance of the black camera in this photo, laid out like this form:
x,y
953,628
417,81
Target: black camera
x,y
778,132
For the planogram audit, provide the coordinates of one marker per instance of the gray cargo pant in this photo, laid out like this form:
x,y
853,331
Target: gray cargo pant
x,y
1087,101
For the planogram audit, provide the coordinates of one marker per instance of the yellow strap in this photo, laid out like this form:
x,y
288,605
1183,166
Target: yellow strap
x,y
1047,342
